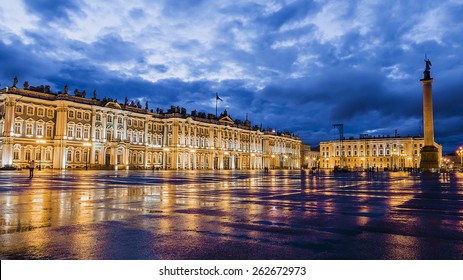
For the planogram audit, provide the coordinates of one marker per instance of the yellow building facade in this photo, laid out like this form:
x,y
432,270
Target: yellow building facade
x,y
368,152
61,131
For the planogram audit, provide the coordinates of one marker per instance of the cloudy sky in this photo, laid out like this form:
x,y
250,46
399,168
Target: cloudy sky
x,y
298,66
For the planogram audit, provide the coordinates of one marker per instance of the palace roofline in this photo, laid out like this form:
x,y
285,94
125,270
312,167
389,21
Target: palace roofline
x,y
44,92
378,137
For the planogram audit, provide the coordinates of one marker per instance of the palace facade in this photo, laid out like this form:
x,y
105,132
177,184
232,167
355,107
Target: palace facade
x,y
60,131
378,152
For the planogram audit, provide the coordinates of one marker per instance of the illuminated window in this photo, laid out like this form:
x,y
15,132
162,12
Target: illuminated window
x,y
70,131
39,129
30,110
49,130
79,115
29,129
27,155
41,112
50,113
79,132
16,155
86,132
19,109
17,128
87,116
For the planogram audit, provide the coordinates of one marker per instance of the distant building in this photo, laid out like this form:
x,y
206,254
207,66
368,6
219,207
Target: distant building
x,y
382,152
60,130
310,156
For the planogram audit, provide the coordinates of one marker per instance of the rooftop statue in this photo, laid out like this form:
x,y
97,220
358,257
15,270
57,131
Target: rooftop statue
x,y
428,63
426,72
66,89
15,81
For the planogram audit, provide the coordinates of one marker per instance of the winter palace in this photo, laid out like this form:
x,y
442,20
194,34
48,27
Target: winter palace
x,y
63,130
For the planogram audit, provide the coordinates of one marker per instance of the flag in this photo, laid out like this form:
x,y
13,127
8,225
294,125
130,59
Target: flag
x,y
217,97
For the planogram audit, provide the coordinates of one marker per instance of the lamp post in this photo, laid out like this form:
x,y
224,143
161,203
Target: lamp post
x,y
40,142
87,145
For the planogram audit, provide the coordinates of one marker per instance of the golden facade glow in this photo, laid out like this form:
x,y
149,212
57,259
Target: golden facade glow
x,y
79,132
382,153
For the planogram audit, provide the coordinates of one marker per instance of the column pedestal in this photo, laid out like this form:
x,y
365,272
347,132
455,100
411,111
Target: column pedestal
x,y
429,159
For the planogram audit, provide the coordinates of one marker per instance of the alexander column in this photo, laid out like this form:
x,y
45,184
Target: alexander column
x,y
429,153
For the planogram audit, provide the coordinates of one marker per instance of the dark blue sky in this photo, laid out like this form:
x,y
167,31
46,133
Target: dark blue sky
x,y
299,66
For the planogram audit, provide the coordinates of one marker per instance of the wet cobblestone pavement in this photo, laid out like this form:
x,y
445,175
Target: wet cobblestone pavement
x,y
230,215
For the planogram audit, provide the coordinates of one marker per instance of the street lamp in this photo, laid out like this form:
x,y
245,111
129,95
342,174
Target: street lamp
x,y
88,145
40,142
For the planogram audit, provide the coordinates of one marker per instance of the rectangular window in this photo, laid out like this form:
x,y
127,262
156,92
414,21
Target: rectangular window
x,y
79,132
39,129
17,128
109,118
97,134
27,156
49,131
16,155
87,116
50,113
30,110
119,120
19,109
70,132
79,115
71,114
98,117
41,112
86,133
29,129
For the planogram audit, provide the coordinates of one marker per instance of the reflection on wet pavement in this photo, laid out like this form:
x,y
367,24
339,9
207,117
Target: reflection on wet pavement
x,y
230,215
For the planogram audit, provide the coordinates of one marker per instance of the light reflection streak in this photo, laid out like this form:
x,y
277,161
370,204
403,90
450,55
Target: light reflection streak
x,y
273,200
